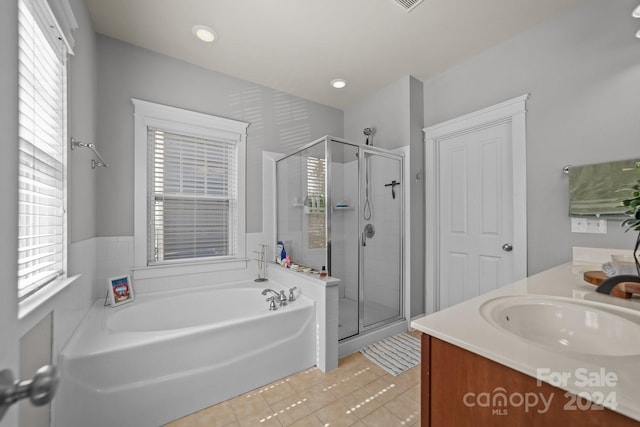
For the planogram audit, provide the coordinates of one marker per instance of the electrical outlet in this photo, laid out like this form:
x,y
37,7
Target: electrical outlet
x,y
589,225
578,225
598,226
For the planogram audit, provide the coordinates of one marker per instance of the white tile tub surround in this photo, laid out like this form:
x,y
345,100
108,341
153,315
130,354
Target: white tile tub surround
x,y
115,257
325,294
73,302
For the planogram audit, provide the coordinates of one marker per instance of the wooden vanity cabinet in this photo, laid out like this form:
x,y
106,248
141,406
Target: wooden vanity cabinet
x,y
460,388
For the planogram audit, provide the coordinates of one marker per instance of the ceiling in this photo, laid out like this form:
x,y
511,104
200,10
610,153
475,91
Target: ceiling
x,y
299,46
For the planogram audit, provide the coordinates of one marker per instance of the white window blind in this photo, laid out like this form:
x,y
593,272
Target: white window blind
x,y
315,189
42,156
193,197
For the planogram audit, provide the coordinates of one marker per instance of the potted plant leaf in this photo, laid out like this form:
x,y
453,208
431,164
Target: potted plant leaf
x,y
633,212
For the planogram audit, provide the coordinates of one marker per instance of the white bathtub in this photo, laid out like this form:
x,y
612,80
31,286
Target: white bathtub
x,y
168,354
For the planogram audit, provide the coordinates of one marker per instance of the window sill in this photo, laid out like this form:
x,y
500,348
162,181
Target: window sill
x,y
40,298
164,270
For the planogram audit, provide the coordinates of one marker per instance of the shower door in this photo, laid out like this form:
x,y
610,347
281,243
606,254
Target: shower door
x,y
381,228
362,217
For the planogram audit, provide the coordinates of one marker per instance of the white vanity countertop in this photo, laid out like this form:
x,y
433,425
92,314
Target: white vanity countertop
x,y
464,326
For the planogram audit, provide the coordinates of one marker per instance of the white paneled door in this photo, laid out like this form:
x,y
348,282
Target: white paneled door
x,y
476,213
476,203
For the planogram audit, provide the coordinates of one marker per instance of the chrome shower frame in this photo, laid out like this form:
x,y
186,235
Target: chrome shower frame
x,y
363,151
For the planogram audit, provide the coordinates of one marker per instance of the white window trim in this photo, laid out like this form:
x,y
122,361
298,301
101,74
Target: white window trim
x,y
191,123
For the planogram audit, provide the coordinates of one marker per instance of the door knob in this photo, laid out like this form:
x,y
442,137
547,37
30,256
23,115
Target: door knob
x,y
39,390
507,247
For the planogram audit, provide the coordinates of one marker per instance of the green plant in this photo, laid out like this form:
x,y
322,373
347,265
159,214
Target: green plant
x,y
633,212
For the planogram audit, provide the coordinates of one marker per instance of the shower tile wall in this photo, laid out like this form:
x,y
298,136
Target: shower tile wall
x,y
115,257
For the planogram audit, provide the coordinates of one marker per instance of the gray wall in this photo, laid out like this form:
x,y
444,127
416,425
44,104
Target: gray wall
x,y
396,114
582,69
279,122
387,111
416,173
83,104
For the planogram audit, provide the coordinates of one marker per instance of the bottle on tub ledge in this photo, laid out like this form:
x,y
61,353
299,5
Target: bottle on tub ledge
x,y
323,272
279,251
285,260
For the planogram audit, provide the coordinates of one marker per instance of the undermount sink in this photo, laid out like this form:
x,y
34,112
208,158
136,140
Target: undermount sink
x,y
566,325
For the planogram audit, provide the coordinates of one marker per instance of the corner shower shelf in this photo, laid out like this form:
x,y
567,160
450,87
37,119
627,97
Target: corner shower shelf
x,y
342,208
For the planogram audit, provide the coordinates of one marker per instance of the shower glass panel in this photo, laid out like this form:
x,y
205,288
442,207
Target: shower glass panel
x,y
301,221
340,205
345,235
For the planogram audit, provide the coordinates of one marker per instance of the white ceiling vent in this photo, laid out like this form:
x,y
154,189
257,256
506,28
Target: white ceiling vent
x,y
408,5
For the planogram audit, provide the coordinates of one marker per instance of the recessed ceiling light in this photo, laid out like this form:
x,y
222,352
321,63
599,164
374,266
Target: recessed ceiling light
x,y
636,12
204,33
338,83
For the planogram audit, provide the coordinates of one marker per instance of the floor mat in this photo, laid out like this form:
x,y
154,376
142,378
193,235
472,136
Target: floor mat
x,y
395,354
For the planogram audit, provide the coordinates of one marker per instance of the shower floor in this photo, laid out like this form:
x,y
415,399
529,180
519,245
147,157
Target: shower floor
x,y
348,315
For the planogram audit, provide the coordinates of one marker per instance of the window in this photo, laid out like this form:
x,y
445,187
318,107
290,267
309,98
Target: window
x,y
315,190
192,199
42,74
190,177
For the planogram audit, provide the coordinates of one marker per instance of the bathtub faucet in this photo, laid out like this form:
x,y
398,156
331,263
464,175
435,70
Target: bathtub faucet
x,y
276,297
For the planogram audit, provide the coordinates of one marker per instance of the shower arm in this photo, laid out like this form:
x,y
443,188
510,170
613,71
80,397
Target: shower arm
x,y
75,144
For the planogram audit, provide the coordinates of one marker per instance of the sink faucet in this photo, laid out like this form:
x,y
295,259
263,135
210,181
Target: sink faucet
x,y
623,286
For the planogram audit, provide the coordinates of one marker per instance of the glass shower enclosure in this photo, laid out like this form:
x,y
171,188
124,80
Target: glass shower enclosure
x,y
340,206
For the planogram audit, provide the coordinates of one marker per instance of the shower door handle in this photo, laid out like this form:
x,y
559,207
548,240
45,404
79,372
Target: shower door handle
x,y
364,239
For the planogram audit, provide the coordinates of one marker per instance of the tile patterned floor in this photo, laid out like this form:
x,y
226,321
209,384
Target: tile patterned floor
x,y
358,393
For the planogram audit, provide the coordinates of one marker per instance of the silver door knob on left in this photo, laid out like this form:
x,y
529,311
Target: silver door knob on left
x,y
39,390
507,247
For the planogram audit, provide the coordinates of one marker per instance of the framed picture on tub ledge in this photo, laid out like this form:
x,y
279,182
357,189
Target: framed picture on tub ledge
x,y
120,290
